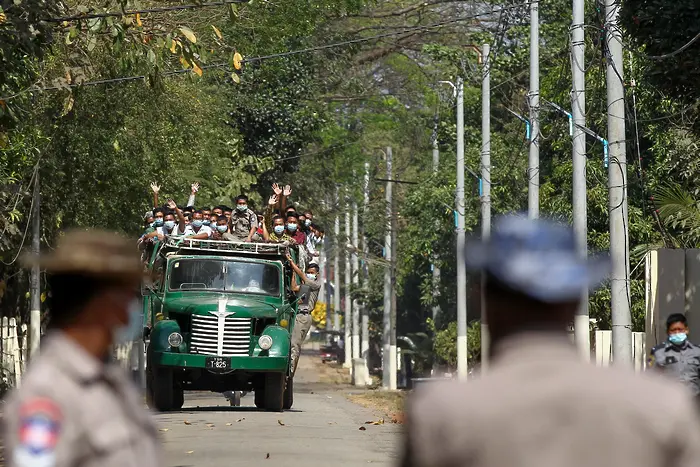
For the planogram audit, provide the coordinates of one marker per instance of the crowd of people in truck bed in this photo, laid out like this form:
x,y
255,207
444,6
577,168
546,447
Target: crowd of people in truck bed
x,y
278,222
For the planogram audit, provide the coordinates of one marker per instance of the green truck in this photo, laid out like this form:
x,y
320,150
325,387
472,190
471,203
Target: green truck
x,y
219,318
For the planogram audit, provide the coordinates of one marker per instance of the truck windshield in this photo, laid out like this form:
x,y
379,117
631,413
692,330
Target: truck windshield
x,y
225,276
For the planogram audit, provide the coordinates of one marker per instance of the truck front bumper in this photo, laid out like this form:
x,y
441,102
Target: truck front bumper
x,y
185,360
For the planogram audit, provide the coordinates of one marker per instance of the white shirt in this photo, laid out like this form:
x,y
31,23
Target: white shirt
x,y
189,230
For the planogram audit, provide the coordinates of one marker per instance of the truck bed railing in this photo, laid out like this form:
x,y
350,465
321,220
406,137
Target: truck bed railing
x,y
179,242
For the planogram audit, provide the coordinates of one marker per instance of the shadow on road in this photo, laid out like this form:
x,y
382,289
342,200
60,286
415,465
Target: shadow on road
x,y
224,408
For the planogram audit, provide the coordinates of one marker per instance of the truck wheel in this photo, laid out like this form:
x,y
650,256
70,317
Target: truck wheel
x,y
260,397
289,393
274,392
163,389
178,398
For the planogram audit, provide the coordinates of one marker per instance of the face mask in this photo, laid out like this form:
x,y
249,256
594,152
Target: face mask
x,y
158,222
222,228
279,229
311,276
169,225
197,223
307,222
206,222
133,329
678,338
292,227
242,207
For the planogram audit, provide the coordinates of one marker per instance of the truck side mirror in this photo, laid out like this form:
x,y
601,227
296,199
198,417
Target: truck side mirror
x,y
304,295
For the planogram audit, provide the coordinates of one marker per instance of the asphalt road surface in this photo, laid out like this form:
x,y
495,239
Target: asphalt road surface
x,y
322,429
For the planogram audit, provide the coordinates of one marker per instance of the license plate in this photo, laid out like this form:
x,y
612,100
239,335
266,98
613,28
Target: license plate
x,y
217,363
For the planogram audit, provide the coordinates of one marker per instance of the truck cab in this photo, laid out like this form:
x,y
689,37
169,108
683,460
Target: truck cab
x,y
220,317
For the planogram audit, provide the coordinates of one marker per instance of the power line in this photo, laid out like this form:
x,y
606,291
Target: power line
x,y
267,57
675,52
111,14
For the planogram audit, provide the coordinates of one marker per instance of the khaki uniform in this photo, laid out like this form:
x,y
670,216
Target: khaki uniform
x,y
72,410
302,322
540,406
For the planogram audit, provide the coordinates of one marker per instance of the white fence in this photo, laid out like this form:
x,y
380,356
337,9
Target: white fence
x,y
603,349
13,351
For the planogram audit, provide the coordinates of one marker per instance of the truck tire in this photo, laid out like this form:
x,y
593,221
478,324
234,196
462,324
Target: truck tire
x,y
274,392
178,398
162,389
260,397
289,393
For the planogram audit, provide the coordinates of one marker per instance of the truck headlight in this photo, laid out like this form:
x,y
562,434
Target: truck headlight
x,y
265,342
175,339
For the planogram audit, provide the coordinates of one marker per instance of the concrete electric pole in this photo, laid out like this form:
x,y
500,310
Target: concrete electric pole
x,y
486,188
533,175
617,190
462,354
578,155
387,364
35,311
348,319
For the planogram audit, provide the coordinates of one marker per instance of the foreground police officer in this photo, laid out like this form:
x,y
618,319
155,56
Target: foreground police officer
x,y
678,357
72,408
539,404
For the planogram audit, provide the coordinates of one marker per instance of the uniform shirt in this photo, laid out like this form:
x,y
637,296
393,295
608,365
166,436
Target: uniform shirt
x,y
189,230
242,222
539,405
73,410
274,238
314,288
681,362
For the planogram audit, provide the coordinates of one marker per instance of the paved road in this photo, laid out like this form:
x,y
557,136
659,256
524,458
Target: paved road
x,y
322,429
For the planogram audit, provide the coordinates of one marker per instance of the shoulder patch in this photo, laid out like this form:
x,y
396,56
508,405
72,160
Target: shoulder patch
x,y
39,427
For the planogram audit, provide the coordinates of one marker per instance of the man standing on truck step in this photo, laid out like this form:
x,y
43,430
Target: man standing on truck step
x,y
74,407
243,222
302,322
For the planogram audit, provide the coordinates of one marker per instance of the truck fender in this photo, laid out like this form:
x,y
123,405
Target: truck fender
x,y
160,332
280,341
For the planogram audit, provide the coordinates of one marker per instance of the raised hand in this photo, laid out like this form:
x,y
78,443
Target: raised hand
x,y
195,187
273,200
276,188
287,190
172,204
155,187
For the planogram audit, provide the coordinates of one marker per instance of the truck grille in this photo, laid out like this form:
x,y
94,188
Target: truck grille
x,y
212,335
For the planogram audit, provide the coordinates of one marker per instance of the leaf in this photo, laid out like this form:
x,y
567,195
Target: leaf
x,y
210,425
173,46
151,56
116,145
363,428
229,424
138,20
240,419
184,62
217,32
92,42
236,79
267,456
189,452
163,430
280,422
187,423
237,59
188,34
196,69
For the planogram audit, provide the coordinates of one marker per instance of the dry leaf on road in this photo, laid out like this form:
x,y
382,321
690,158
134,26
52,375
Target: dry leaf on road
x,y
240,419
280,422
229,424
210,425
268,456
164,430
187,423
362,428
189,452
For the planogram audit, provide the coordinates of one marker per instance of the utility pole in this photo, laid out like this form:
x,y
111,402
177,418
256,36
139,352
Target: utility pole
x,y
35,313
617,190
364,350
578,155
394,243
485,190
387,364
329,286
336,271
434,267
355,282
533,175
461,265
348,299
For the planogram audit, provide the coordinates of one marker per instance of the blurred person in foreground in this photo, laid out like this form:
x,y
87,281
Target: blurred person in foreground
x,y
538,404
74,408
